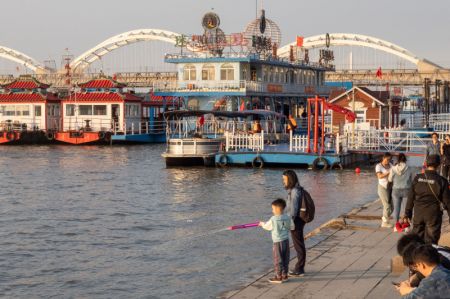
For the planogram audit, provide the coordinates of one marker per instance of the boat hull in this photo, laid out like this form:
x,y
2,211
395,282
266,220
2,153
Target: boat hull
x,y
78,138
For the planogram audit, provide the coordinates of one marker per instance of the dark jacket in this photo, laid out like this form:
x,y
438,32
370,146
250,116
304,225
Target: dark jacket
x,y
294,201
426,191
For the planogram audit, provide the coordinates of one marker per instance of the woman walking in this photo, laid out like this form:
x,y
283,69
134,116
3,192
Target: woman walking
x,y
401,177
445,154
294,203
384,191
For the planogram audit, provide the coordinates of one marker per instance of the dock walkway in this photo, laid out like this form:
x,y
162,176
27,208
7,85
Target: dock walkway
x,y
348,257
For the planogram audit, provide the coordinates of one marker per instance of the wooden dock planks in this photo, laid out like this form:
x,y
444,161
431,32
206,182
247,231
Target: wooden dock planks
x,y
347,262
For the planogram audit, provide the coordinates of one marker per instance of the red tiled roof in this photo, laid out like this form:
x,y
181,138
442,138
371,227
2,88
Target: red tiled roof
x,y
26,84
103,97
21,97
102,83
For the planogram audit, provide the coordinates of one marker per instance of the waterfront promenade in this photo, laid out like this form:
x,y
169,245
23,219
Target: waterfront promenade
x,y
348,257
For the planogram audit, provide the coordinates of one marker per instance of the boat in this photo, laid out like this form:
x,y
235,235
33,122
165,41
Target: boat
x,y
96,109
195,137
29,113
151,128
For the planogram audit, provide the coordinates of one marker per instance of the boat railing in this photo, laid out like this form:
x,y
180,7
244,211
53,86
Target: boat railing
x,y
298,143
244,142
25,124
87,124
139,127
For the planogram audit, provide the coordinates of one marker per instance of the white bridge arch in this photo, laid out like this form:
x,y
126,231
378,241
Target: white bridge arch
x,y
350,39
16,56
120,40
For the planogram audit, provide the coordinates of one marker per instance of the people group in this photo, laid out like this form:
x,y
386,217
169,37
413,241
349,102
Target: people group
x,y
288,218
425,196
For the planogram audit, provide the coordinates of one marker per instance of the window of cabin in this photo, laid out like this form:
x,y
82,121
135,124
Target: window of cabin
x,y
23,110
208,72
189,73
70,110
227,72
85,110
37,110
100,110
10,110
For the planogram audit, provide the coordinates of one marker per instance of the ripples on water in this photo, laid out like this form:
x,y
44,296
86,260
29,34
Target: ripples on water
x,y
113,222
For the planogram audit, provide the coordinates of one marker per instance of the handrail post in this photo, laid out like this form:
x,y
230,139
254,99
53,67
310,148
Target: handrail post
x,y
290,141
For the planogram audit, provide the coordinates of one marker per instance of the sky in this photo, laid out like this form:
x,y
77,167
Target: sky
x,y
42,29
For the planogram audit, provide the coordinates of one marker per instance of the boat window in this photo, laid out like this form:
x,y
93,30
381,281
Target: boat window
x,y
10,110
208,72
70,110
189,73
37,111
23,110
132,110
85,110
100,110
227,72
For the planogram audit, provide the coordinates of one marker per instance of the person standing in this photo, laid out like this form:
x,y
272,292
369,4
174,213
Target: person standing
x,y
279,224
294,203
433,147
382,170
401,177
445,154
428,197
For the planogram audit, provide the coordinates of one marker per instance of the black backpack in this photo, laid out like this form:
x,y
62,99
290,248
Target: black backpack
x,y
308,209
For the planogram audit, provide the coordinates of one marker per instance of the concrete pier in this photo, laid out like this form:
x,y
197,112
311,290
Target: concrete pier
x,y
348,257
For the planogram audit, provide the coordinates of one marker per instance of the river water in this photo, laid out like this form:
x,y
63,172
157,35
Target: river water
x,y
113,222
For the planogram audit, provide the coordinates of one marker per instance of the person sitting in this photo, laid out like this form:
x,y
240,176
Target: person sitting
x,y
436,284
256,127
405,247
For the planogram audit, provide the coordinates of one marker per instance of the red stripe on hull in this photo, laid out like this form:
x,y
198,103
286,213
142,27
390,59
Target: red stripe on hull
x,y
8,137
77,137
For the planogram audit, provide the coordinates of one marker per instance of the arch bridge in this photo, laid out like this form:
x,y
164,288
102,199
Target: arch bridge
x,y
424,68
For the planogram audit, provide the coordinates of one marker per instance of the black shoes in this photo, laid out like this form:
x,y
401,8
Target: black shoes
x,y
297,273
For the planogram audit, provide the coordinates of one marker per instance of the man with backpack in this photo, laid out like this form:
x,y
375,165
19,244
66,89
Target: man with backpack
x,y
428,198
300,207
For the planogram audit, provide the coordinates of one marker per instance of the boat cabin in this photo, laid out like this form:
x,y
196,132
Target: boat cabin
x,y
27,105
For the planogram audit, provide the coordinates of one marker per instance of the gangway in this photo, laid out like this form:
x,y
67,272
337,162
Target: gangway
x,y
412,143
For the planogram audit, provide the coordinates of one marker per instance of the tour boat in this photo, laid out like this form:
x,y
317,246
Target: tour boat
x,y
195,137
28,112
97,109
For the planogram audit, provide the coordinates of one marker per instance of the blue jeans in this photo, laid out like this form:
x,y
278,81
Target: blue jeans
x,y
398,195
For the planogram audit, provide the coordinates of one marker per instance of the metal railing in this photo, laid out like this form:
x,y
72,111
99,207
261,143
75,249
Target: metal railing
x,y
389,141
139,127
29,124
244,142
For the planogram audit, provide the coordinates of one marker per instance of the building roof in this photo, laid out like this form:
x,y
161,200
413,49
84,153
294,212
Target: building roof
x,y
381,97
26,97
26,83
102,83
103,97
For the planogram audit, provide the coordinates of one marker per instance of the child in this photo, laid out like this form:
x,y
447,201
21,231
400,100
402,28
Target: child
x,y
279,224
402,225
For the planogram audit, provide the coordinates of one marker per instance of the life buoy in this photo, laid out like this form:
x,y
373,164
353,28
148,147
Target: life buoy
x,y
337,166
10,136
223,160
50,135
258,160
321,160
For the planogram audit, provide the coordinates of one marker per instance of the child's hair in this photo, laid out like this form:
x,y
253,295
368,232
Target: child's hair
x,y
279,202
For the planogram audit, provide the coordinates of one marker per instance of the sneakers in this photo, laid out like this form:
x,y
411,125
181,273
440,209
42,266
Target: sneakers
x,y
385,223
276,279
297,273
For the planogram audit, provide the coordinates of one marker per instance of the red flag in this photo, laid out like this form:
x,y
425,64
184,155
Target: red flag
x,y
299,41
379,73
242,106
201,121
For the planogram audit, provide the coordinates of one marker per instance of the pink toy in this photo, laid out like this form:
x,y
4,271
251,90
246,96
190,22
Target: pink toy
x,y
241,226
